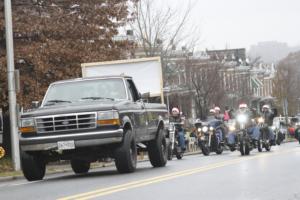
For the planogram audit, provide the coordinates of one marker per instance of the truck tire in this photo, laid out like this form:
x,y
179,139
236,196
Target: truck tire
x,y
80,166
157,150
33,166
126,154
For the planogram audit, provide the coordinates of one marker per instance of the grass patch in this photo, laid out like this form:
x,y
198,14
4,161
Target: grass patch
x,y
6,164
6,167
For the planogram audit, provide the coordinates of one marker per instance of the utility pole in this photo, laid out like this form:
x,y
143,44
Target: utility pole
x,y
11,85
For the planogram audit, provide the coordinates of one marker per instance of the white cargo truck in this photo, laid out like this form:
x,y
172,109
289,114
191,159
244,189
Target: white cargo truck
x,y
146,73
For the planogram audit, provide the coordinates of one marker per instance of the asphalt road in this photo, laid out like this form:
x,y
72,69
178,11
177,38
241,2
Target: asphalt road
x,y
268,175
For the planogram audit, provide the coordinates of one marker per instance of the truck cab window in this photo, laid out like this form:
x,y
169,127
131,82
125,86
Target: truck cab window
x,y
132,90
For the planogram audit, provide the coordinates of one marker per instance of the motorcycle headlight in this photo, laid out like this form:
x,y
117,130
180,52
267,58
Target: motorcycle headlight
x,y
108,118
171,128
231,128
205,129
27,125
241,118
199,129
261,120
211,128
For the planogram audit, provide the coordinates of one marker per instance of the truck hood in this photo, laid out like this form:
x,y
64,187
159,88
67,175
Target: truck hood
x,y
65,108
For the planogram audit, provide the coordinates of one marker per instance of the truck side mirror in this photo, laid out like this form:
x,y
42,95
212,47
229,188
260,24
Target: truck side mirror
x,y
35,104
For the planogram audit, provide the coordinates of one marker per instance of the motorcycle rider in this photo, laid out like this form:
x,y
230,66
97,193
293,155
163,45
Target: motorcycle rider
x,y
211,115
215,121
218,113
268,116
252,128
175,117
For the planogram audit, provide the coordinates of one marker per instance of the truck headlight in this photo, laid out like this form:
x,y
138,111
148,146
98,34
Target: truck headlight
x,y
199,129
27,125
108,118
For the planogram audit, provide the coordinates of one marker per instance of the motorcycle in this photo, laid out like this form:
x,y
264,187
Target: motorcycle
x,y
174,147
209,139
244,141
264,139
279,136
297,134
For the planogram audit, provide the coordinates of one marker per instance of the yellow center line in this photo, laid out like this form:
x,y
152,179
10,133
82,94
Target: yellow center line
x,y
140,183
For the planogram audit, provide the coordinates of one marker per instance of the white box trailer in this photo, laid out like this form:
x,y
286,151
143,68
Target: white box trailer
x,y
146,73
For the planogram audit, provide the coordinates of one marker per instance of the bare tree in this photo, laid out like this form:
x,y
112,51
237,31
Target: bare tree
x,y
53,37
206,83
287,83
159,30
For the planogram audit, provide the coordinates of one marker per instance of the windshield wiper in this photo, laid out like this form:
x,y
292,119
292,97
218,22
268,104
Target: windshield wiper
x,y
96,98
54,101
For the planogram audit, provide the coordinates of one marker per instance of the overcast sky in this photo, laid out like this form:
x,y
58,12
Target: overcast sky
x,y
241,23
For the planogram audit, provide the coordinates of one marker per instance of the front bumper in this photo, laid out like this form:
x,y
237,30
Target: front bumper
x,y
85,139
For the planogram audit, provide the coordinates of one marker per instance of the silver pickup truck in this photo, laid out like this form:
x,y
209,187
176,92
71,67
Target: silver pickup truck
x,y
87,119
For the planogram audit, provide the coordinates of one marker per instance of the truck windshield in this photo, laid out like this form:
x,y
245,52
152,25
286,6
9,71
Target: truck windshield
x,y
108,89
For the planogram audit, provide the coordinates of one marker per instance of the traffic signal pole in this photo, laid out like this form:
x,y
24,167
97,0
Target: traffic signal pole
x,y
11,86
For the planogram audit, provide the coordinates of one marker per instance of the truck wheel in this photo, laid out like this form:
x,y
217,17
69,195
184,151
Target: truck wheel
x,y
157,150
80,166
126,154
33,166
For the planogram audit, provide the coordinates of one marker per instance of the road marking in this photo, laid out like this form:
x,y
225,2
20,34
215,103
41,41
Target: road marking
x,y
144,182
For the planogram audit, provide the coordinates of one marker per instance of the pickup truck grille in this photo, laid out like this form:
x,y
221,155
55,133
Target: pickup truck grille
x,y
69,122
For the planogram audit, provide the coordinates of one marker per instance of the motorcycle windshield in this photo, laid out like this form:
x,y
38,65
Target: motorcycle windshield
x,y
215,123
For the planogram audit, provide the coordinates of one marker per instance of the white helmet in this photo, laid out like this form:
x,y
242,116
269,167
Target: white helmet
x,y
217,109
212,110
267,107
243,105
175,111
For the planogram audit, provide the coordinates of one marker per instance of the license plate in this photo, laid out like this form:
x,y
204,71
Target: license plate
x,y
65,145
